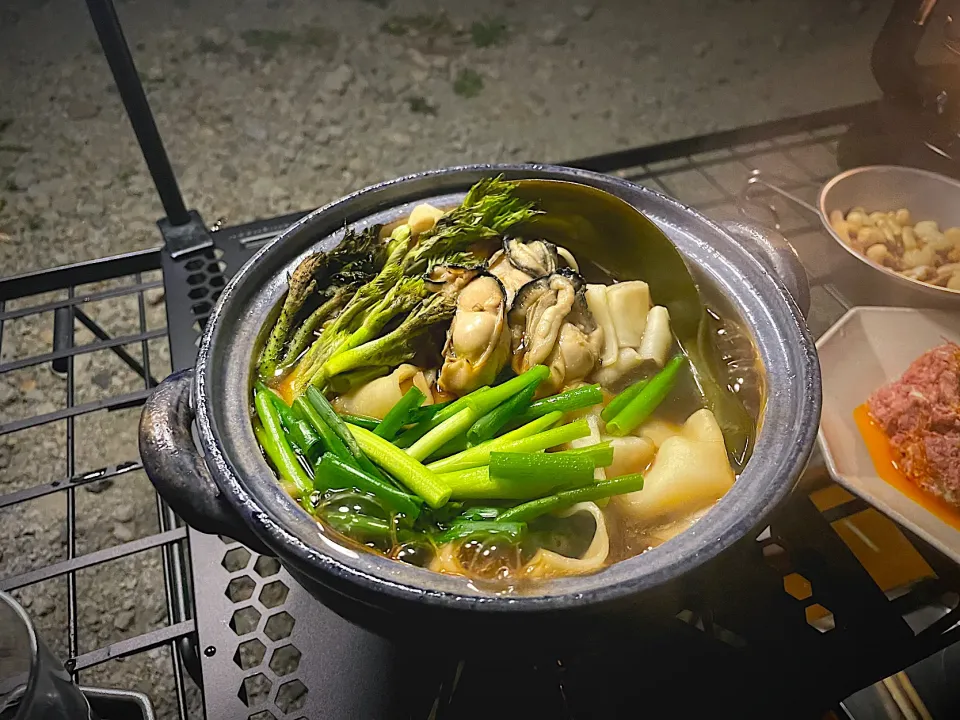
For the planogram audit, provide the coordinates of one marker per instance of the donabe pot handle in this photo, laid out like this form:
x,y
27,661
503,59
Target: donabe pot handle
x,y
176,468
771,249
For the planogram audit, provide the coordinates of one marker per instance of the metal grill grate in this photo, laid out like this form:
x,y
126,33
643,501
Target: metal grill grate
x,y
800,163
87,547
80,348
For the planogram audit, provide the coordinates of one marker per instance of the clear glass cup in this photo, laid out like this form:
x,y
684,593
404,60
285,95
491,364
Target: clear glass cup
x,y
33,682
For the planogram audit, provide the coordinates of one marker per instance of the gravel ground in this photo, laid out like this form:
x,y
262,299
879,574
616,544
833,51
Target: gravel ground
x,y
269,107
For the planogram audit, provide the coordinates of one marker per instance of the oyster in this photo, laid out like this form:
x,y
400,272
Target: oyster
x,y
478,343
450,279
534,257
509,276
519,262
550,324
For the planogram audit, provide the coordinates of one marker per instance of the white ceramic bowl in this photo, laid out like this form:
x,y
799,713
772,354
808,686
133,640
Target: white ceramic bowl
x,y
868,347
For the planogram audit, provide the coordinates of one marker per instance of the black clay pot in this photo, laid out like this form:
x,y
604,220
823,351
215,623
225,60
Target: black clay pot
x,y
763,284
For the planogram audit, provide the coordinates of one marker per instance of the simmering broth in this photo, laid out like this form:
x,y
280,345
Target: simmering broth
x,y
492,405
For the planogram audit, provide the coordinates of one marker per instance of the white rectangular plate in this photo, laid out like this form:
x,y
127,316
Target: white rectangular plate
x,y
868,347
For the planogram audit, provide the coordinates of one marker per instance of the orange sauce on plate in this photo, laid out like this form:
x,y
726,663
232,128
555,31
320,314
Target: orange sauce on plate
x,y
885,461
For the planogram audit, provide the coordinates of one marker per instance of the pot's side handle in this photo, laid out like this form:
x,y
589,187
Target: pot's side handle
x,y
176,468
772,249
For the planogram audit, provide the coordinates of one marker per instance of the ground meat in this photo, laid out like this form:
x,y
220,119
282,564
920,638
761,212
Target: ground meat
x,y
920,413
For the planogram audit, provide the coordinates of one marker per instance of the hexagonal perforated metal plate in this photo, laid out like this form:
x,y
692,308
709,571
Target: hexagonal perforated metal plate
x,y
254,655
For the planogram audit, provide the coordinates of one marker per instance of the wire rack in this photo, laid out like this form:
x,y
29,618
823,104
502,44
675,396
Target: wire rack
x,y
793,613
78,350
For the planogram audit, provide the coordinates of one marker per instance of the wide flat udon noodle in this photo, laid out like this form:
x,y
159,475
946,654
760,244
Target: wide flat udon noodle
x,y
375,398
689,473
547,564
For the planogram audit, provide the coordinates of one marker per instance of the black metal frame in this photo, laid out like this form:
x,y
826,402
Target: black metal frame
x,y
74,280
63,354
115,49
720,140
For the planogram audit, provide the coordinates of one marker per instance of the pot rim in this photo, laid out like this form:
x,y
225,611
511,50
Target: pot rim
x,y
678,556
